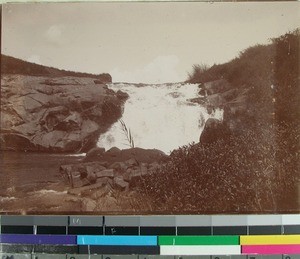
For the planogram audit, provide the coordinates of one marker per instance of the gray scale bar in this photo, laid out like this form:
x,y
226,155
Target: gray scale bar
x,y
86,221
120,256
17,220
153,221
51,220
157,221
15,256
264,220
125,221
48,256
193,221
229,220
264,257
76,256
291,219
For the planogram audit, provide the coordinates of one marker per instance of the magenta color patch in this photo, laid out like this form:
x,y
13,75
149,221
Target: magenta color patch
x,y
270,249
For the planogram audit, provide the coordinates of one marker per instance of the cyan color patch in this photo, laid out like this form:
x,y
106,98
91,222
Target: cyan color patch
x,y
117,240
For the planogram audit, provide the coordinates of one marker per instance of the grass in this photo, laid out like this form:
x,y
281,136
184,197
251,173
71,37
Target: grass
x,y
127,133
248,173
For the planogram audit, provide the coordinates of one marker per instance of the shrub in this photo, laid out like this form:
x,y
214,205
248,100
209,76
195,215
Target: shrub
x,y
250,173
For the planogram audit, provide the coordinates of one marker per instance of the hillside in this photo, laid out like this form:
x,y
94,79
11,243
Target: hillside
x,y
11,65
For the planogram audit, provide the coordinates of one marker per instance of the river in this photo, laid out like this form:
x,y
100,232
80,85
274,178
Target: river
x,y
159,116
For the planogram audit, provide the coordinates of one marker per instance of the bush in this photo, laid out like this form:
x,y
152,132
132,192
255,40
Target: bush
x,y
250,173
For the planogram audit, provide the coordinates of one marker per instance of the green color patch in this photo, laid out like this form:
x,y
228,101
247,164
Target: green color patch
x,y
198,240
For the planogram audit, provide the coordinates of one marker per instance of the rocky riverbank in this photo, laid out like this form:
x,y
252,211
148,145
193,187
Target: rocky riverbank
x,y
221,94
102,181
56,114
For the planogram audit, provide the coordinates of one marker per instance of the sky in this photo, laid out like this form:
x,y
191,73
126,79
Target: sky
x,y
141,42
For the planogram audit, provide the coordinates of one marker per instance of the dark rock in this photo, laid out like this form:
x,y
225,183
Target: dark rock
x,y
202,92
214,131
122,95
103,79
105,173
61,114
131,162
79,182
94,154
119,167
114,151
91,177
217,86
120,183
104,181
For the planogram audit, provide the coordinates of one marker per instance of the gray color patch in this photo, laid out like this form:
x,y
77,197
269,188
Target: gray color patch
x,y
48,256
271,257
263,220
293,219
17,220
193,221
76,256
291,256
158,221
51,220
15,256
229,220
120,257
125,221
86,221
156,257
220,257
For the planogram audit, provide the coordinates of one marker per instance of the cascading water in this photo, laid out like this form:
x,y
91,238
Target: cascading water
x,y
158,116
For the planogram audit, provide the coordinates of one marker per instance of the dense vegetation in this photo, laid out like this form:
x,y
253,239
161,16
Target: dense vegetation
x,y
269,71
10,65
256,170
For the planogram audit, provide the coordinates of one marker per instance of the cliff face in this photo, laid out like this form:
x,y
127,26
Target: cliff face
x,y
61,114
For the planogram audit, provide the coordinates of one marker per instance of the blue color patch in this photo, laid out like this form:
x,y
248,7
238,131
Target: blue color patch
x,y
118,240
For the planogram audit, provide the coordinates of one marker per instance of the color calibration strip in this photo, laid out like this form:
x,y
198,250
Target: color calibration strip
x,y
213,237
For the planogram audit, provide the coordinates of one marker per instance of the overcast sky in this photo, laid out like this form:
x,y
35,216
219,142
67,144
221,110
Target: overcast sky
x,y
141,42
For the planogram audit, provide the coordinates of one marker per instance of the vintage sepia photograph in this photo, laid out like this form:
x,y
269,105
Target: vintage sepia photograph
x,y
150,108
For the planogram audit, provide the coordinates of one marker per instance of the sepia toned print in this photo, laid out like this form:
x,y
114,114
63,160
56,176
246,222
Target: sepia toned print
x,y
150,108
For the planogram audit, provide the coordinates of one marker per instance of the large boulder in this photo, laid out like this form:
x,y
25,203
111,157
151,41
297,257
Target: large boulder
x,y
214,130
59,114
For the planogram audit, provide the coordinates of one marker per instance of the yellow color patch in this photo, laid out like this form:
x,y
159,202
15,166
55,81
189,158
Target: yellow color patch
x,y
270,240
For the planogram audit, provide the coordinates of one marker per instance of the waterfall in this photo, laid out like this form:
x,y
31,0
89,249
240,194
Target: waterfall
x,y
158,116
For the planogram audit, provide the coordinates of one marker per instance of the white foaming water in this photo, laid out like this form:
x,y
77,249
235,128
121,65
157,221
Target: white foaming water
x,y
158,116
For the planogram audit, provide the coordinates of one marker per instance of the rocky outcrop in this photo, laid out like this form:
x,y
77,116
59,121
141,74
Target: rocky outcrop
x,y
60,114
115,169
220,94
214,130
